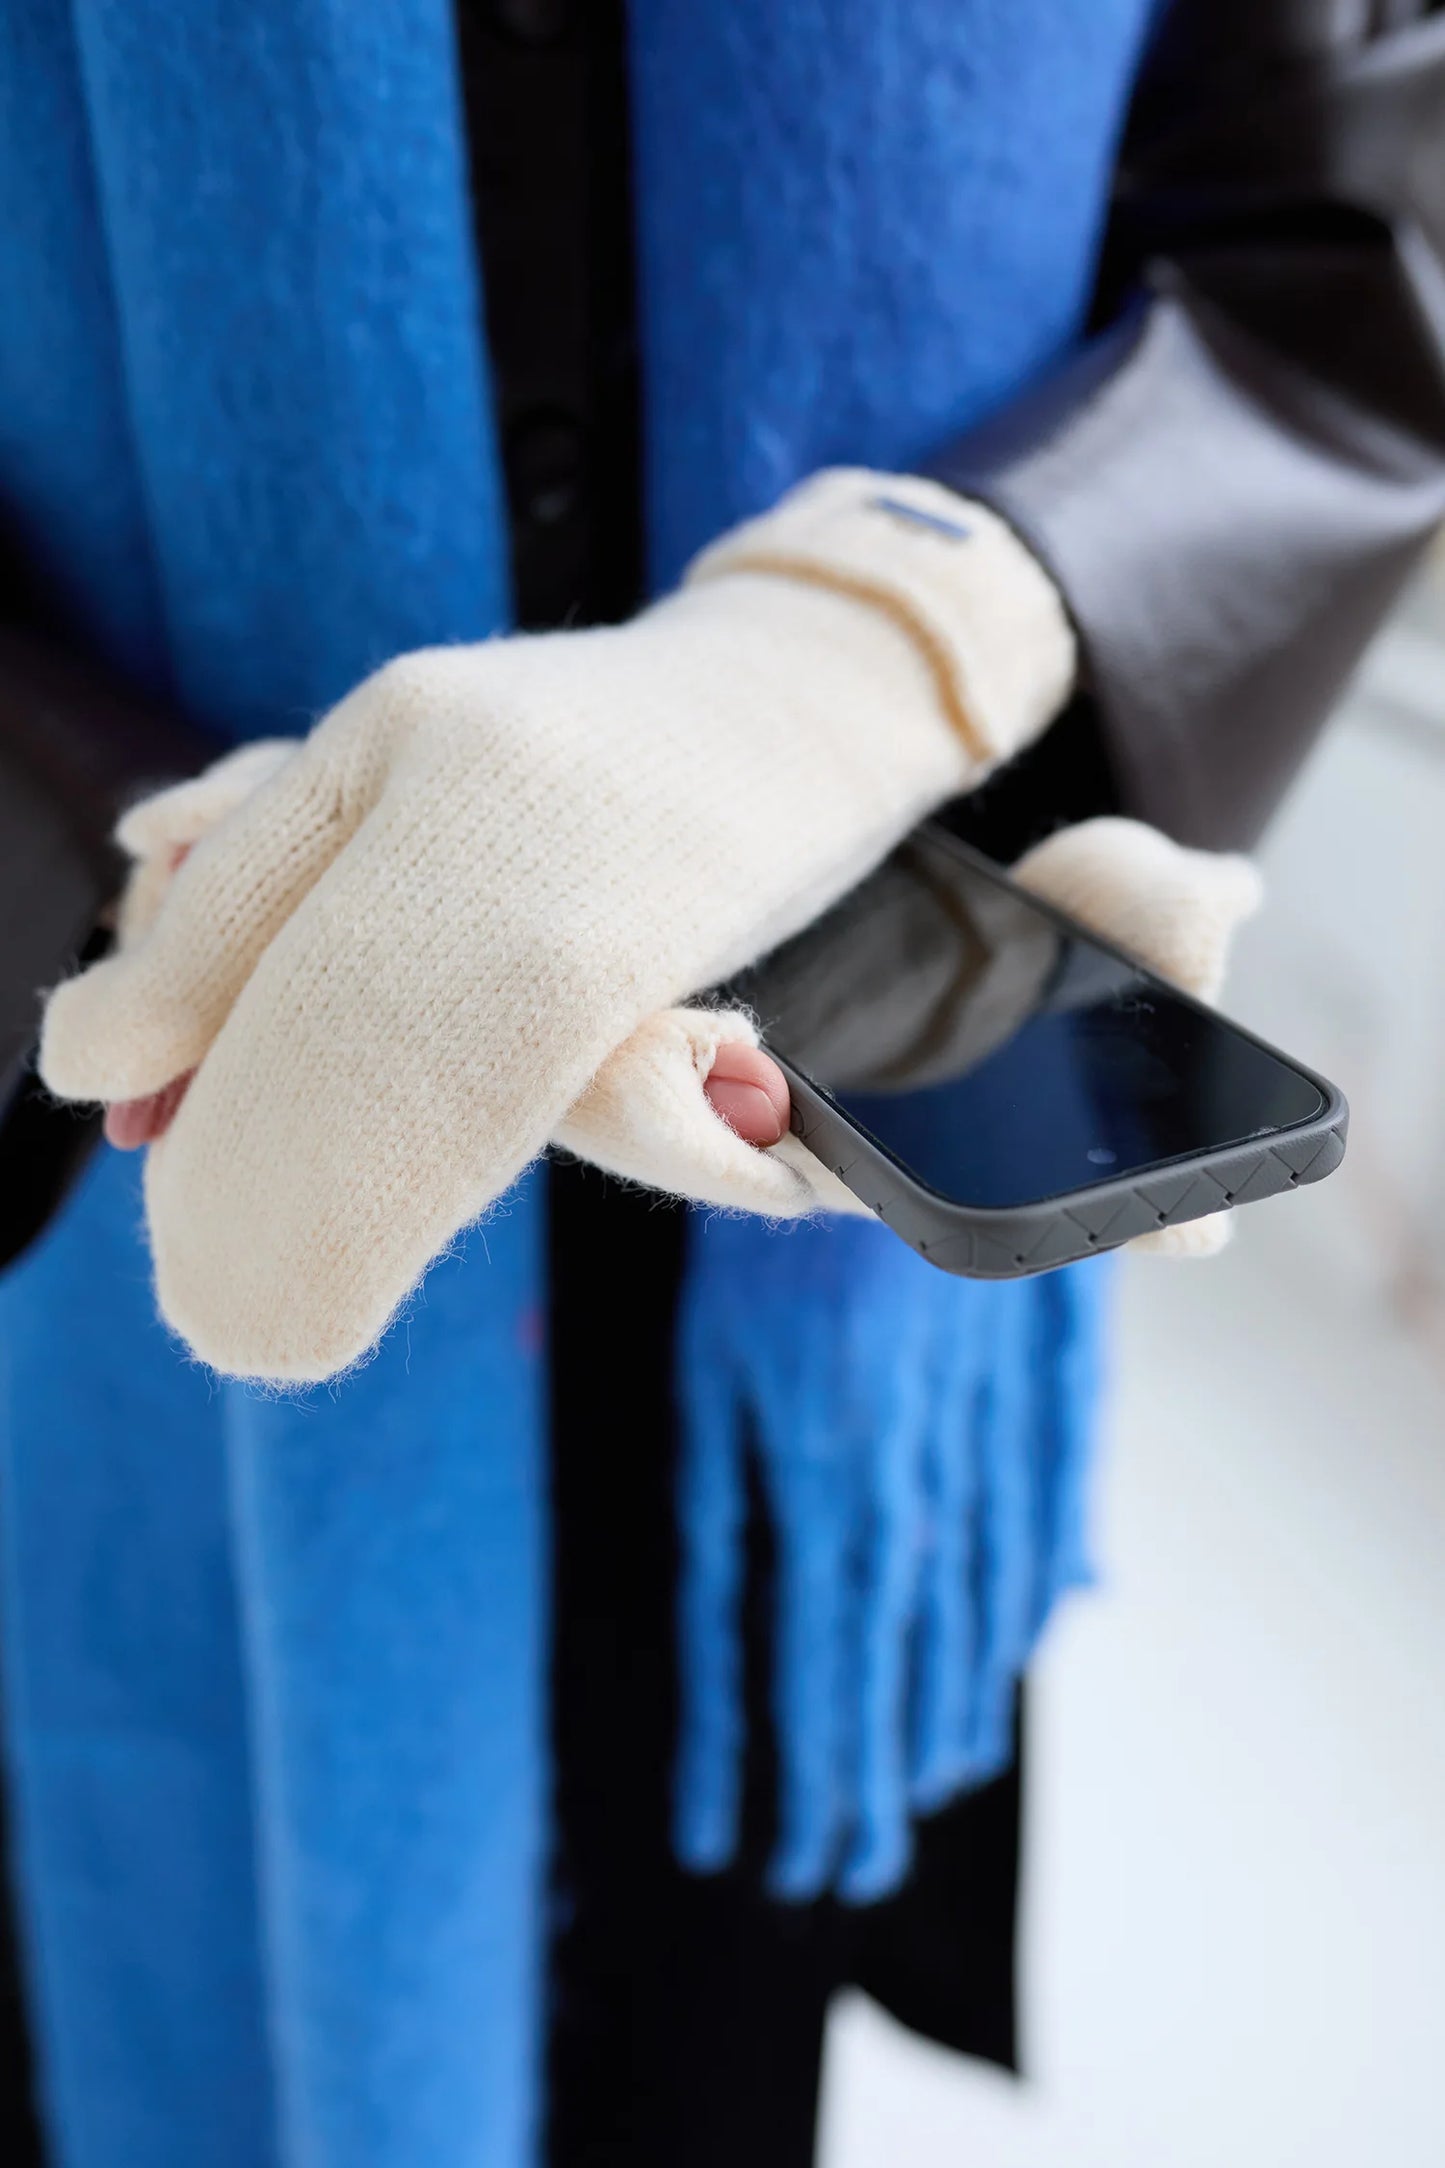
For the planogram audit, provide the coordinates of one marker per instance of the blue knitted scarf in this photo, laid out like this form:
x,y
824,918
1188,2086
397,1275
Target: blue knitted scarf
x,y
275,1667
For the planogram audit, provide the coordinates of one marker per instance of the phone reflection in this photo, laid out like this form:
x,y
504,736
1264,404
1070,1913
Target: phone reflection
x,y
1000,1056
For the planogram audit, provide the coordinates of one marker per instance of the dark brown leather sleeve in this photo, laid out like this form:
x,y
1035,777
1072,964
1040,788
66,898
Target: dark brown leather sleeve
x,y
1234,478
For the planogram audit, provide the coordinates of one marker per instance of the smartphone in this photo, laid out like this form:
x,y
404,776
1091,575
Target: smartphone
x,y
1010,1093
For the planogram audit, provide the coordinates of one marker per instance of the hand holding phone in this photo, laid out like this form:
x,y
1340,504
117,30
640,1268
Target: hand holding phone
x,y
1006,1090
936,974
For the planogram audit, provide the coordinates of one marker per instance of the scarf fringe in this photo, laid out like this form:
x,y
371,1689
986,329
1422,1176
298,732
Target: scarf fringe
x,y
922,1447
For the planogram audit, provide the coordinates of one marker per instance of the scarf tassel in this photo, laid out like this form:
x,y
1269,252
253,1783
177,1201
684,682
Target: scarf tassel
x,y
924,1470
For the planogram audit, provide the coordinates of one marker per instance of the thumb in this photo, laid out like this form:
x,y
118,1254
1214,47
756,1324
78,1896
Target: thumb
x,y
646,1116
185,812
158,831
139,1018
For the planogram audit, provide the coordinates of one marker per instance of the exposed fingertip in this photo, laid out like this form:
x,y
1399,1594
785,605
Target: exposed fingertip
x,y
746,1108
737,1062
131,1123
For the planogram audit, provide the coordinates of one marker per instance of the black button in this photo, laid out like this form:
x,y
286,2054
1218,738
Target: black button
x,y
533,22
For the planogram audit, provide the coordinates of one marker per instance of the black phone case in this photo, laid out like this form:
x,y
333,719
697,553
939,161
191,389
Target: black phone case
x,y
985,1243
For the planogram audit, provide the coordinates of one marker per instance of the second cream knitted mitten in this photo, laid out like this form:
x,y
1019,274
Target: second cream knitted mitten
x,y
401,961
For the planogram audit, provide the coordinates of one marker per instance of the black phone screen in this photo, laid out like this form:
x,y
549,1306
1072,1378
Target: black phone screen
x,y
1000,1057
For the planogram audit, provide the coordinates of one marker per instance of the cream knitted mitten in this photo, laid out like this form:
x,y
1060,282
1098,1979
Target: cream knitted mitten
x,y
399,963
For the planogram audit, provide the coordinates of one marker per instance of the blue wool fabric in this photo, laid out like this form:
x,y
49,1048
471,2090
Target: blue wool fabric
x,y
275,1666
926,1488
879,221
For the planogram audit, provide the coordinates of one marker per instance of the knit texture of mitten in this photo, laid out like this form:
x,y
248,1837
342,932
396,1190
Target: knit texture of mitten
x,y
400,962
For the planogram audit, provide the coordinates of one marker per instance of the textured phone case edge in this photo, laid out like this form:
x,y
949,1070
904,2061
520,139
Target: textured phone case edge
x,y
1002,1245
982,1243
